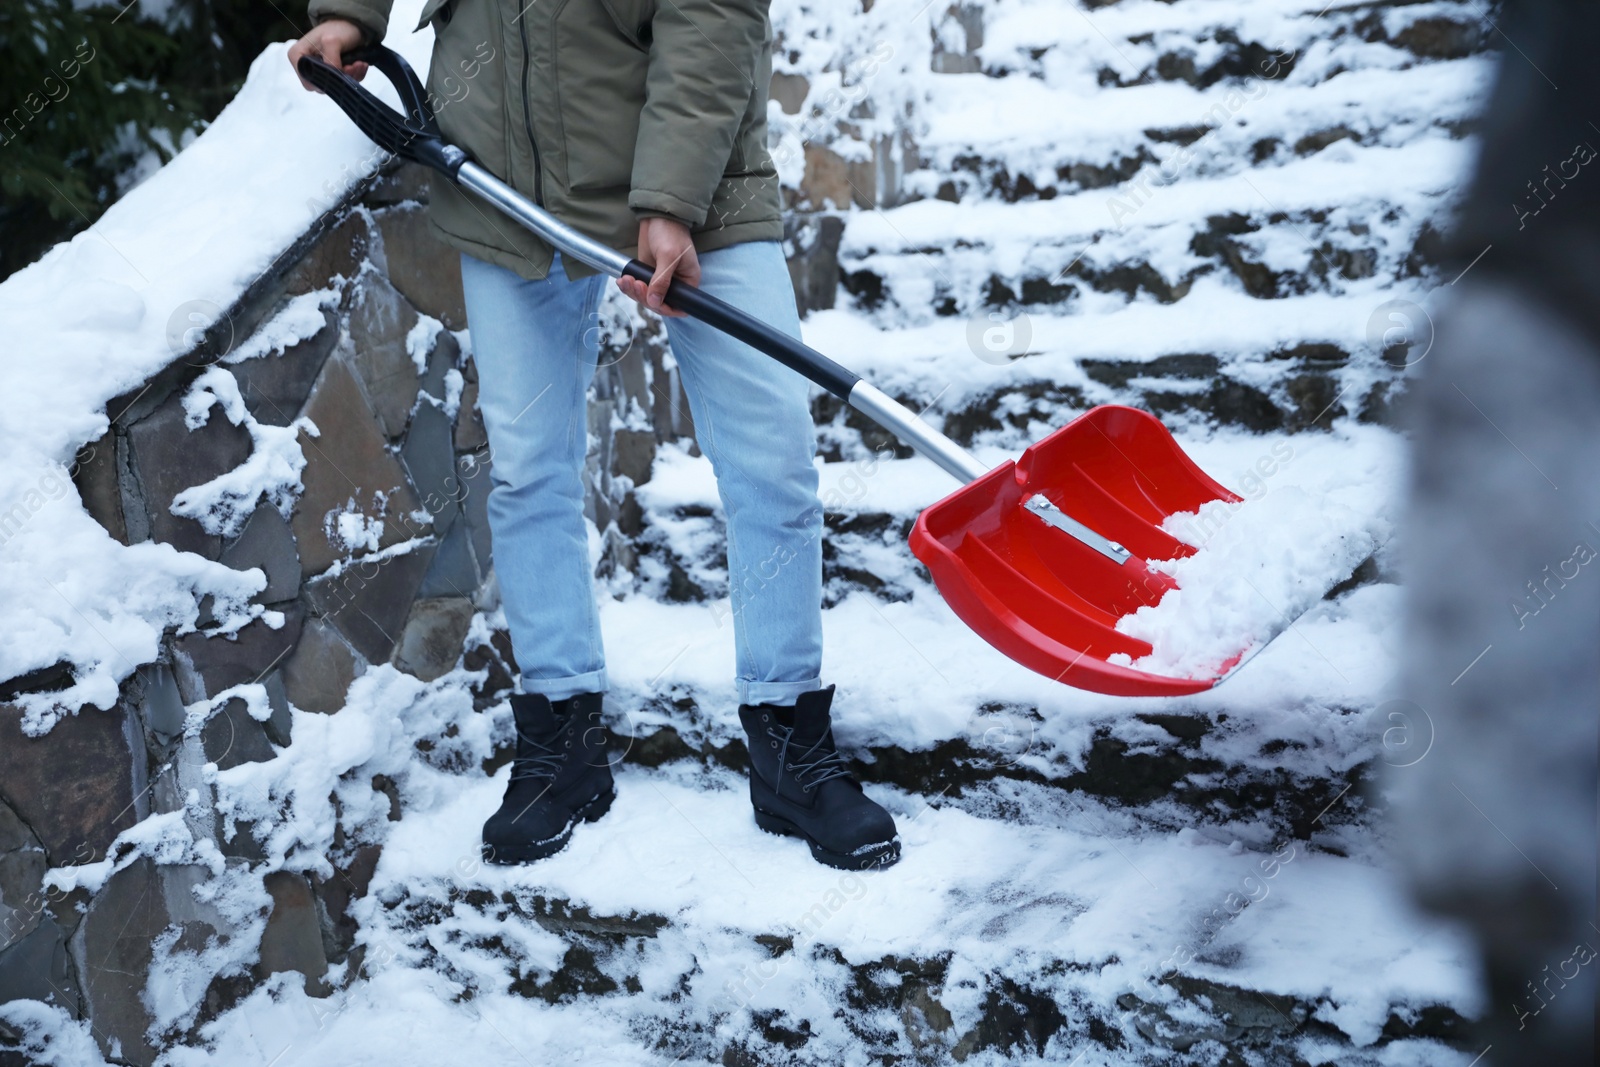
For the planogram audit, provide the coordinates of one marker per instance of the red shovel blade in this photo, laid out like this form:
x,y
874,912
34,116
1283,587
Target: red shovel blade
x,y
1041,596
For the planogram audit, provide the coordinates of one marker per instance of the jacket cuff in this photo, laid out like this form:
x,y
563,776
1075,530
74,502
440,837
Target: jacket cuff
x,y
372,18
648,203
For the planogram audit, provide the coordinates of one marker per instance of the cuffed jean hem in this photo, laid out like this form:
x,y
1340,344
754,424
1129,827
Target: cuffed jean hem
x,y
562,688
783,694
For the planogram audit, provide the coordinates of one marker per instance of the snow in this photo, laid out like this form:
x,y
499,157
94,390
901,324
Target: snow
x,y
419,342
300,318
222,505
50,1037
1261,565
1082,899
100,314
1067,884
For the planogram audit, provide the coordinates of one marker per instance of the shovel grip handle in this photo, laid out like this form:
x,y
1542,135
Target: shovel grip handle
x,y
787,350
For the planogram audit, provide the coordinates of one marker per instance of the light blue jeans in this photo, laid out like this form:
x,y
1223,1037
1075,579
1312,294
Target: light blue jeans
x,y
535,349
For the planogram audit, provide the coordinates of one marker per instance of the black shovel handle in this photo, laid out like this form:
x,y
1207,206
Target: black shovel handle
x,y
413,136
790,351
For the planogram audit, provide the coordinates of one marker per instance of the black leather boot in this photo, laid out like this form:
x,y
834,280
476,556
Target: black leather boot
x,y
801,786
560,775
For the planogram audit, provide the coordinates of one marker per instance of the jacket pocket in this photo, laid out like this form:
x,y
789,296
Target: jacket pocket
x,y
600,88
632,19
443,8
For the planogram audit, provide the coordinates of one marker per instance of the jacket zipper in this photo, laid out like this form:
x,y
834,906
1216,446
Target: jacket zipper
x,y
527,116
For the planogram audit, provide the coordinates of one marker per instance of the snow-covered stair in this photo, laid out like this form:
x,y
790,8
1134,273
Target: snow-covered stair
x,y
1036,925
1241,186
939,712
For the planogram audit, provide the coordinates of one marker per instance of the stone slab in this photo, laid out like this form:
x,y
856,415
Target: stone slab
x,y
94,472
275,386
369,600
432,642
348,884
267,542
429,457
279,728
470,432
379,324
813,244
168,458
74,787
421,266
35,968
633,454
292,940
230,737
335,257
348,462
473,473
317,675
113,949
446,353
161,701
22,867
454,570
210,665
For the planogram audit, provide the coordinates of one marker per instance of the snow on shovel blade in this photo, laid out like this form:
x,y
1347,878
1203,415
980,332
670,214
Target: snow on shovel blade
x,y
1044,598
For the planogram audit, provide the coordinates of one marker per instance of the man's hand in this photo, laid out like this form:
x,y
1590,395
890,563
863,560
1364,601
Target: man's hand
x,y
329,40
665,245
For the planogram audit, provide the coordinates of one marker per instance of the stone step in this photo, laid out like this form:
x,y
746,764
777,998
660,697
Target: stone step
x,y
1269,232
1208,103
1267,254
1203,44
1021,139
1157,773
1309,392
1216,357
1046,937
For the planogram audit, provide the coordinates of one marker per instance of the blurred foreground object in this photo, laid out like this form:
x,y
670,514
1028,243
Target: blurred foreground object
x,y
1498,819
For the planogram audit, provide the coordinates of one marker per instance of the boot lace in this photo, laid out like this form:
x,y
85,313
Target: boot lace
x,y
817,764
545,764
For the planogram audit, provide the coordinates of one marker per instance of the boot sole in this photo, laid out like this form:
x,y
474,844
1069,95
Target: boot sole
x,y
887,855
512,855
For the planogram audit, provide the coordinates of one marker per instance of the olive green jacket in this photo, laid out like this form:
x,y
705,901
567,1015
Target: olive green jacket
x,y
604,112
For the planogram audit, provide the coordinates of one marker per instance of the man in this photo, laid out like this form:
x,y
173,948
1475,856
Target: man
x,y
641,123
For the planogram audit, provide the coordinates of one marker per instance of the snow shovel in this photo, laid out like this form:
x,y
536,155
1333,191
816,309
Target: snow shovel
x,y
1041,555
